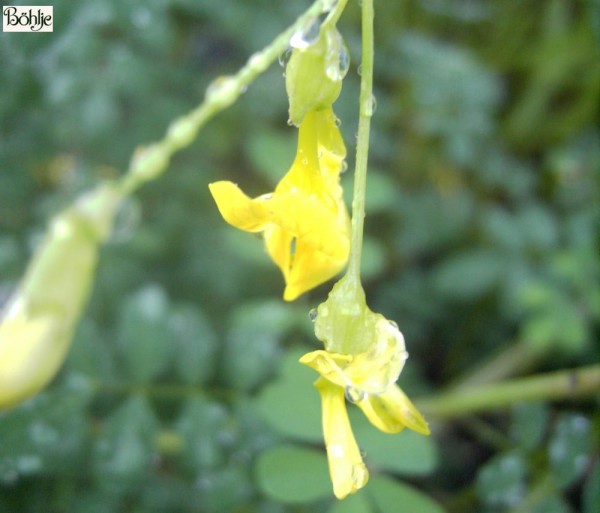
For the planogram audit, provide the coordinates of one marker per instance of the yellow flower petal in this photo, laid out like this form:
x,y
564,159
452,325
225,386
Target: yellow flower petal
x,y
392,411
346,467
237,208
305,221
371,372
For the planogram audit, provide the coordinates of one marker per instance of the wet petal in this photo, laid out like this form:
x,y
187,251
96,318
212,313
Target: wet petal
x,y
371,372
305,221
392,411
346,467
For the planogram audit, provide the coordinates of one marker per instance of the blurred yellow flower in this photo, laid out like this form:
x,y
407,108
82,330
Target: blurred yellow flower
x,y
37,325
305,223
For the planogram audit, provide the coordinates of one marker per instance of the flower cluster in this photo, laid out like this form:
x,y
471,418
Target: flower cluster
x,y
306,230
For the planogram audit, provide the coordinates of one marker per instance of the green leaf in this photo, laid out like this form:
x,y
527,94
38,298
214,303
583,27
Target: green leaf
x,y
194,344
45,434
569,448
223,489
290,404
292,409
552,503
123,452
90,354
469,275
501,481
529,424
390,495
293,474
407,453
591,491
143,333
200,425
252,342
357,503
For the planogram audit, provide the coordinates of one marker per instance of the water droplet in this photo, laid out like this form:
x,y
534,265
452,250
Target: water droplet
x,y
359,476
337,60
354,395
337,121
335,450
371,106
394,324
290,122
285,57
126,221
312,315
343,166
306,36
359,70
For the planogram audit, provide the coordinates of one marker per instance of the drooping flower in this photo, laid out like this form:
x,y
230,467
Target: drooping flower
x,y
363,357
304,221
36,328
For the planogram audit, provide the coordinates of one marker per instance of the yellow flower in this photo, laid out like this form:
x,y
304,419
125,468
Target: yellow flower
x,y
347,469
366,378
36,328
304,221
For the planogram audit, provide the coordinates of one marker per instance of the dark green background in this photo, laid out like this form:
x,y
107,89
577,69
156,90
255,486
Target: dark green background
x,y
482,236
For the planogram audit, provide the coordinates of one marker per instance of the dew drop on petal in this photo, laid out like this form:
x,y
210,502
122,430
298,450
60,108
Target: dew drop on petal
x,y
359,476
354,395
312,315
335,450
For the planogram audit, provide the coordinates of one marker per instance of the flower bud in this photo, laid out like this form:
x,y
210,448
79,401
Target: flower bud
x,y
314,73
37,325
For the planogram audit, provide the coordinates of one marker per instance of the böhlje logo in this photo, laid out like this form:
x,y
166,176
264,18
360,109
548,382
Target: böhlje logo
x,y
27,18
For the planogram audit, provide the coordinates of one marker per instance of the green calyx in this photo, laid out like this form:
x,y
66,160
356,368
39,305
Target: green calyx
x,y
344,323
315,71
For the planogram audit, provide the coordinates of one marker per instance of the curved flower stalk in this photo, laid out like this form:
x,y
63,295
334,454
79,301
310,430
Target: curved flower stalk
x,y
304,222
36,328
363,357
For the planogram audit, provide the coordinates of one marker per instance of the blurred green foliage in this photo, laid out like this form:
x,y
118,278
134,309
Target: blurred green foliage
x,y
182,392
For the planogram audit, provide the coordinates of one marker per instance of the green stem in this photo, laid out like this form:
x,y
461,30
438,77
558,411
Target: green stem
x,y
565,384
362,147
514,360
150,162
